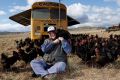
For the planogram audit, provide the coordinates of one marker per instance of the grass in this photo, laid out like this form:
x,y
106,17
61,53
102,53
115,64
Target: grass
x,y
75,71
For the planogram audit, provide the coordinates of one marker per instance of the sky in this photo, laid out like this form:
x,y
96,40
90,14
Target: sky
x,y
99,13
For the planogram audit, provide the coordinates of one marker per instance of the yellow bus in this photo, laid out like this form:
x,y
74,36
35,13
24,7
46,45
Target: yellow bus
x,y
43,14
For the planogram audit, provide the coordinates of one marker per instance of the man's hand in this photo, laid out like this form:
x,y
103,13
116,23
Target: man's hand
x,y
61,38
56,41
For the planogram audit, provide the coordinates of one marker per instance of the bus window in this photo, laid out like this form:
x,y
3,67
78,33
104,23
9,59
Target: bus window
x,y
45,28
40,14
54,14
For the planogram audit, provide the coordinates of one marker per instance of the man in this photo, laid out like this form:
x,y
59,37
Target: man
x,y
55,58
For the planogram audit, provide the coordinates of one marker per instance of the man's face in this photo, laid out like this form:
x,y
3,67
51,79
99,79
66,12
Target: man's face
x,y
52,34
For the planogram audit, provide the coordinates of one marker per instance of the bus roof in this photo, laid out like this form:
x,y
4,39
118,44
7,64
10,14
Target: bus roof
x,y
24,18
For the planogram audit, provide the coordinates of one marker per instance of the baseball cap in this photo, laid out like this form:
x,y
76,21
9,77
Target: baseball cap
x,y
51,28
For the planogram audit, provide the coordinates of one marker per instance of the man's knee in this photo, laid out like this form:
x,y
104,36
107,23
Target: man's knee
x,y
33,61
57,67
36,62
61,66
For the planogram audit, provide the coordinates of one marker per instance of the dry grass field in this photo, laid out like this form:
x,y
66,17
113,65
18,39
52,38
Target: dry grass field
x,y
77,70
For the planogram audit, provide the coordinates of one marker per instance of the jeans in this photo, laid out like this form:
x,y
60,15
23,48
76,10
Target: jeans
x,y
40,67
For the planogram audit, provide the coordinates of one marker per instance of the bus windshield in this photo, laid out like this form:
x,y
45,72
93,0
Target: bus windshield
x,y
54,14
48,14
41,14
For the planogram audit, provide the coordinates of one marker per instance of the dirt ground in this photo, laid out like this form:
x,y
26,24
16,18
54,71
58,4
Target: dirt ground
x,y
76,69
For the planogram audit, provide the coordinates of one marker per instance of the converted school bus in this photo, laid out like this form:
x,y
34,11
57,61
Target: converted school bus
x,y
43,14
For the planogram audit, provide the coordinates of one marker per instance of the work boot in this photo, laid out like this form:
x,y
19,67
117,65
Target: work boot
x,y
34,75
